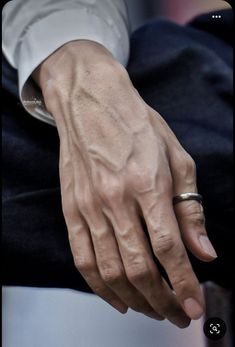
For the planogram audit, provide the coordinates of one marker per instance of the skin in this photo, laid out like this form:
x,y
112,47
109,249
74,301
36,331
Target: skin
x,y
119,161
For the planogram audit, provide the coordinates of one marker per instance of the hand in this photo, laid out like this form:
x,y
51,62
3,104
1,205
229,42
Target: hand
x,y
120,161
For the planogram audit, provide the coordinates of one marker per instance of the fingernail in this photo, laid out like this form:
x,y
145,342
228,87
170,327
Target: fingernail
x,y
192,308
207,246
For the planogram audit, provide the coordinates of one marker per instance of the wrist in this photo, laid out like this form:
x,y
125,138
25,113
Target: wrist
x,y
73,72
83,54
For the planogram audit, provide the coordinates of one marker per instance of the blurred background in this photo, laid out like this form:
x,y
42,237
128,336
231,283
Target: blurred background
x,y
177,10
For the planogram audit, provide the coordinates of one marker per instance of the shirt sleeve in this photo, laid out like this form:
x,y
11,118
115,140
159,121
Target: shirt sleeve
x,y
32,30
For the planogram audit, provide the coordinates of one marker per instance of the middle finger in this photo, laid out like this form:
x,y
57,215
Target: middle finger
x,y
139,265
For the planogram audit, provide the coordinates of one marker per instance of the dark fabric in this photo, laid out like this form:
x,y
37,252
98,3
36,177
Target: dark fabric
x,y
185,73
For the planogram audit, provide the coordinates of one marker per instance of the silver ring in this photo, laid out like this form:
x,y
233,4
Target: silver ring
x,y
186,197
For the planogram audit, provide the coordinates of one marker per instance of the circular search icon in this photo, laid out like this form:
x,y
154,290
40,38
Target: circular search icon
x,y
214,328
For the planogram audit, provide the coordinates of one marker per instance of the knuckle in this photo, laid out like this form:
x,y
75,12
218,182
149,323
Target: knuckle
x,y
126,234
74,232
142,180
185,164
83,265
85,204
100,237
190,165
111,193
164,243
156,223
180,283
111,276
139,274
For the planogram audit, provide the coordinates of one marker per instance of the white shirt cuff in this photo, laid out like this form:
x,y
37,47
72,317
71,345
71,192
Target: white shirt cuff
x,y
48,34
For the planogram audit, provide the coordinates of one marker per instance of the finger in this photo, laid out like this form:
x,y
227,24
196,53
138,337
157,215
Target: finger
x,y
190,215
168,248
112,271
85,262
107,255
108,259
132,298
80,242
139,265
